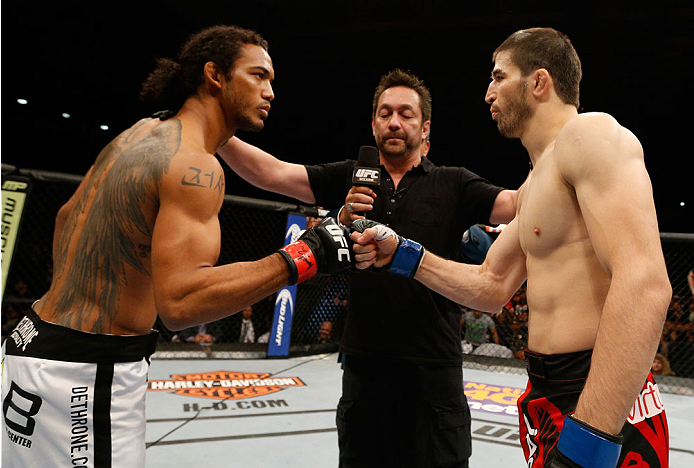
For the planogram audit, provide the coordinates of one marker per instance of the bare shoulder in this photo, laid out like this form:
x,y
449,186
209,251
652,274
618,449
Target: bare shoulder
x,y
594,141
194,167
594,128
195,178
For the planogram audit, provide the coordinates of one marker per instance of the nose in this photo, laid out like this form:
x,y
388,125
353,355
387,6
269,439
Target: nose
x,y
490,97
268,93
394,122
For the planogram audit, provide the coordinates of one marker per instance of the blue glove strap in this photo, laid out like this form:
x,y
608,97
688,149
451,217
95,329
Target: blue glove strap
x,y
586,447
407,258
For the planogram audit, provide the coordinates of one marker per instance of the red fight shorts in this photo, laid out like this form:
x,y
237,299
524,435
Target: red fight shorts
x,y
554,385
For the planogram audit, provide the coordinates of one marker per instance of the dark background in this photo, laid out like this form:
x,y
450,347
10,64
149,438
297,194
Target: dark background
x,y
90,61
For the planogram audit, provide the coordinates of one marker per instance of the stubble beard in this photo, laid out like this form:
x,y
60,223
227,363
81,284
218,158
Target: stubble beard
x,y
394,152
241,113
246,122
514,116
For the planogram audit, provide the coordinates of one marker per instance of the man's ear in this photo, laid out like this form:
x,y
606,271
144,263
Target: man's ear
x,y
425,129
542,83
213,75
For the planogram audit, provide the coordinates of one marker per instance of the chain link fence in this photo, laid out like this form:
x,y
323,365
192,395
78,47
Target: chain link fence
x,y
253,229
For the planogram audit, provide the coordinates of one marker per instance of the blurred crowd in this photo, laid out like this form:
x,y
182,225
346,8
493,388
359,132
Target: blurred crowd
x,y
504,334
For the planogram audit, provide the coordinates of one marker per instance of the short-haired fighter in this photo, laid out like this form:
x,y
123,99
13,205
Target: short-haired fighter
x,y
586,238
139,239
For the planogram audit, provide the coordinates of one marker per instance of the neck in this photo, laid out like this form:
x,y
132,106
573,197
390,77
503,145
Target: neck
x,y
397,166
543,127
204,119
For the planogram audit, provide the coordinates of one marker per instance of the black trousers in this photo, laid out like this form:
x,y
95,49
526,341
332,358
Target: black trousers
x,y
395,414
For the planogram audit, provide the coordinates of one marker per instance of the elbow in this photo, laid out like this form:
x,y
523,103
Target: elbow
x,y
662,293
489,301
173,322
504,208
175,315
656,293
498,291
493,306
173,325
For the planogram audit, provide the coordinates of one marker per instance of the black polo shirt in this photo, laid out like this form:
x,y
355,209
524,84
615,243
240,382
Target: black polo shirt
x,y
394,317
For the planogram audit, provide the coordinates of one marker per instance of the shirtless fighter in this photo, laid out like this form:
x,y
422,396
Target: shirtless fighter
x,y
140,238
586,239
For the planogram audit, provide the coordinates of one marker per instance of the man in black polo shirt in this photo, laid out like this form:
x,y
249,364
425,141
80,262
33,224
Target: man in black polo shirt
x,y
402,399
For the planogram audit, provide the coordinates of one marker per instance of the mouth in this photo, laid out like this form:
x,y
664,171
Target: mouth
x,y
264,111
393,138
494,113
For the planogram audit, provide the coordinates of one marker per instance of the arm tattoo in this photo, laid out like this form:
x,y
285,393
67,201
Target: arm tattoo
x,y
197,178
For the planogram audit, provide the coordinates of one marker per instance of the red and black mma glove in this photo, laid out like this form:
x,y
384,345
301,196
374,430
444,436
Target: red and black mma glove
x,y
324,249
583,446
408,255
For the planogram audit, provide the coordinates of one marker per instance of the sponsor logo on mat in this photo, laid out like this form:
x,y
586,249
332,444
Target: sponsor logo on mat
x,y
491,398
225,385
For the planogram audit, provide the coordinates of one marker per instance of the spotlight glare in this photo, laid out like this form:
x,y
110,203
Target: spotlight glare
x,y
22,101
104,127
66,115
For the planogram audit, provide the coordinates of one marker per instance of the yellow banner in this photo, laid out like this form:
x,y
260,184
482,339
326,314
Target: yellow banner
x,y
14,194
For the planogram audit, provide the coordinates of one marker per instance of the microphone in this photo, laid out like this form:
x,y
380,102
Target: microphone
x,y
366,172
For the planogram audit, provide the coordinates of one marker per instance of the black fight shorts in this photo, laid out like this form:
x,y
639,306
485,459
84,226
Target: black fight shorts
x,y
554,385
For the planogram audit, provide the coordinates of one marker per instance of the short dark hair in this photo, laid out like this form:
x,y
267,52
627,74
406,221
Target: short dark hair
x,y
550,49
398,77
172,82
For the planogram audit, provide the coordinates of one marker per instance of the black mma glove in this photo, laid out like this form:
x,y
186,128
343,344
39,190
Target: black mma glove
x,y
324,249
408,255
583,446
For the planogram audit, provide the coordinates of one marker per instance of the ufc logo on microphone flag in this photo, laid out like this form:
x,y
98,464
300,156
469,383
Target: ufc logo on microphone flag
x,y
367,174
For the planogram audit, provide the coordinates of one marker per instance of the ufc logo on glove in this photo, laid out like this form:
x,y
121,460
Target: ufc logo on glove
x,y
322,250
338,236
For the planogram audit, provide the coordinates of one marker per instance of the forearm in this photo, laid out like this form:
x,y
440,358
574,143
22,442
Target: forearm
x,y
627,340
265,171
485,287
470,285
191,292
212,293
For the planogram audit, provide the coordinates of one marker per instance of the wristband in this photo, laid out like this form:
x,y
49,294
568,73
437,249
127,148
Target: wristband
x,y
301,260
588,446
407,258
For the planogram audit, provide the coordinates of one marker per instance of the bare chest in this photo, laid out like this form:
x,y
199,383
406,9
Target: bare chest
x,y
549,215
